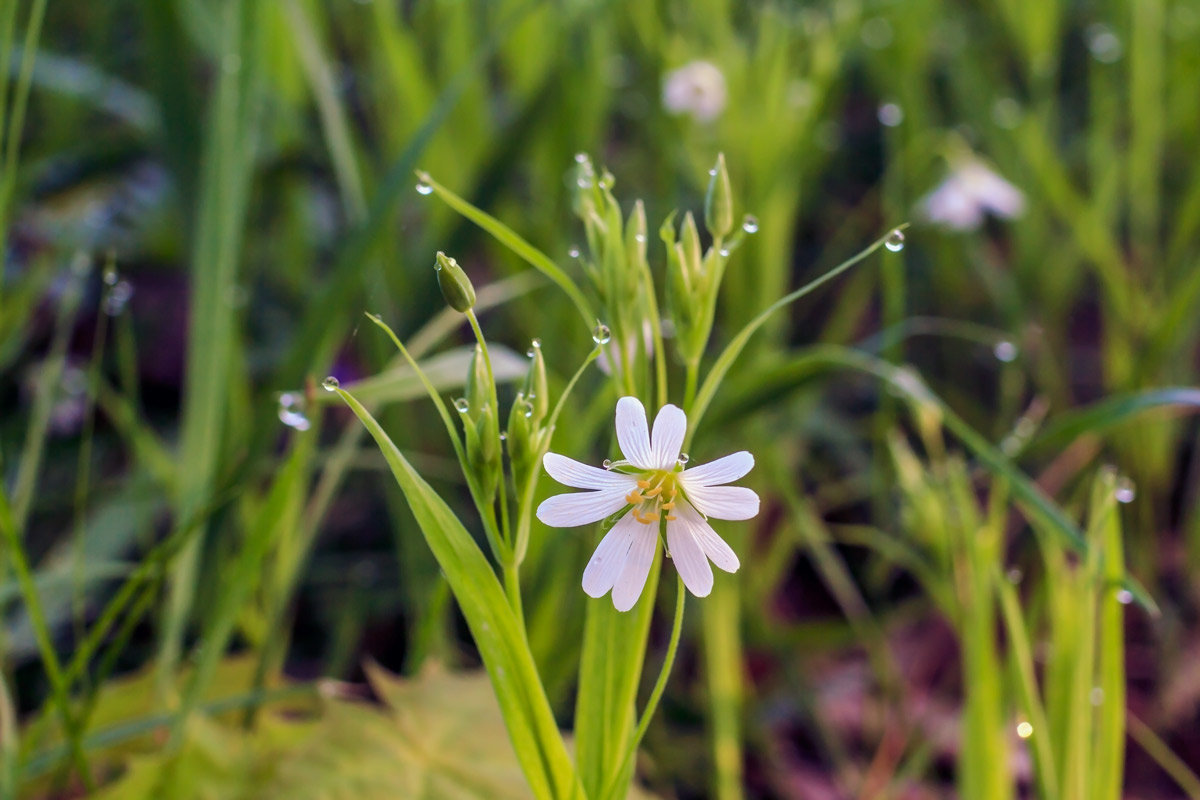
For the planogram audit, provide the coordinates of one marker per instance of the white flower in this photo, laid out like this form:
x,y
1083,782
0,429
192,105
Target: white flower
x,y
696,88
971,190
653,488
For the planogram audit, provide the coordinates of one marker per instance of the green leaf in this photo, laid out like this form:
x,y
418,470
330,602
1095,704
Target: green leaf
x,y
497,634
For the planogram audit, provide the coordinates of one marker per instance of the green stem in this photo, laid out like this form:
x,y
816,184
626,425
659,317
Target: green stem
x,y
660,351
512,589
689,392
656,693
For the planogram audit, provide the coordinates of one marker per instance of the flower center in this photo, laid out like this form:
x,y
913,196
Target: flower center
x,y
655,496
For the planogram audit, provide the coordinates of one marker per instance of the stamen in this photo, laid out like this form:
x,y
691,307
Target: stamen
x,y
671,517
633,498
670,504
655,492
643,484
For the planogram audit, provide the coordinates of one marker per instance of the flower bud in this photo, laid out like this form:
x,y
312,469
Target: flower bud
x,y
718,203
455,285
483,452
537,391
479,385
689,242
520,439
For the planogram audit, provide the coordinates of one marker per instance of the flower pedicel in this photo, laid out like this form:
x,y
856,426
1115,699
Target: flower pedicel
x,y
655,490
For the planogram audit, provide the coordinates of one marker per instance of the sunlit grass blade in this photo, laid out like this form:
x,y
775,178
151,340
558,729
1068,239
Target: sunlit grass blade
x,y
1111,412
728,356
1108,694
445,371
495,629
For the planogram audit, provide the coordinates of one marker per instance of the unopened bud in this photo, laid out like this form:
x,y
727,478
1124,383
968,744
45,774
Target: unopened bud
x,y
718,203
479,386
689,242
456,286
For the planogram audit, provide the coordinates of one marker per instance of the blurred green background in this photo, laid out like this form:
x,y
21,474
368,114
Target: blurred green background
x,y
200,199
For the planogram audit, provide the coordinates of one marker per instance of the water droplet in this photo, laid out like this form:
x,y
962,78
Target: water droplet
x,y
713,172
1124,597
639,238
503,436
573,252
725,251
330,384
537,344
1096,695
1024,730
116,298
1005,351
423,184
894,241
890,114
601,334
462,405
683,458
110,275
528,408
291,411
607,463
584,181
1014,575
1126,491
750,223
581,158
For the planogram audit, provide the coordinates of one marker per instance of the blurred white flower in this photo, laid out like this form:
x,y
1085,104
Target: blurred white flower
x,y
697,88
653,488
970,191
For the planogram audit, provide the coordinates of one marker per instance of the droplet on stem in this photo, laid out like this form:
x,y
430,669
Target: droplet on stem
x,y
894,241
1126,491
1005,351
750,223
331,384
461,405
601,334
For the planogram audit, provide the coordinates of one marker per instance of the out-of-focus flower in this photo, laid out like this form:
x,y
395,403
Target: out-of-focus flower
x,y
655,491
697,89
970,191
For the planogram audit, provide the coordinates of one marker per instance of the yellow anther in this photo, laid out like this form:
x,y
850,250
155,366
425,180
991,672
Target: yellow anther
x,y
671,517
655,492
643,484
633,498
669,505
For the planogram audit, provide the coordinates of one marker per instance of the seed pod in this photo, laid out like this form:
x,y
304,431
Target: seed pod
x,y
455,285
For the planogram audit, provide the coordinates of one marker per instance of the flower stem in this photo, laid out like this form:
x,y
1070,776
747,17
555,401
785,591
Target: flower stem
x,y
689,393
656,693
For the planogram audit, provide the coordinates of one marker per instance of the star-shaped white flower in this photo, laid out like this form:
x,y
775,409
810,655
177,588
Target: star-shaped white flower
x,y
653,487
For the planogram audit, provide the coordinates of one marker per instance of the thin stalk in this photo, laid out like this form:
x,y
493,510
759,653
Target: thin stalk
x,y
689,392
656,693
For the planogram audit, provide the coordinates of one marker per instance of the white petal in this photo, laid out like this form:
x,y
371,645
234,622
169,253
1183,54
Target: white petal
x,y
633,434
580,508
723,470
689,558
669,428
631,581
723,502
570,472
714,546
610,556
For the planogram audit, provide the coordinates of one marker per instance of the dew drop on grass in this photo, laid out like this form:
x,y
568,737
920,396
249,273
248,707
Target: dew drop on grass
x,y
1125,492
330,384
1124,597
110,276
573,252
713,171
462,405
423,185
581,158
1005,351
601,334
1024,730
683,458
607,463
503,436
894,241
750,223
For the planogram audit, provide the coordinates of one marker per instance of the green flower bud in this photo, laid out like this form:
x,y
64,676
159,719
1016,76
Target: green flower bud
x,y
689,242
537,391
718,203
456,286
479,385
520,439
483,452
